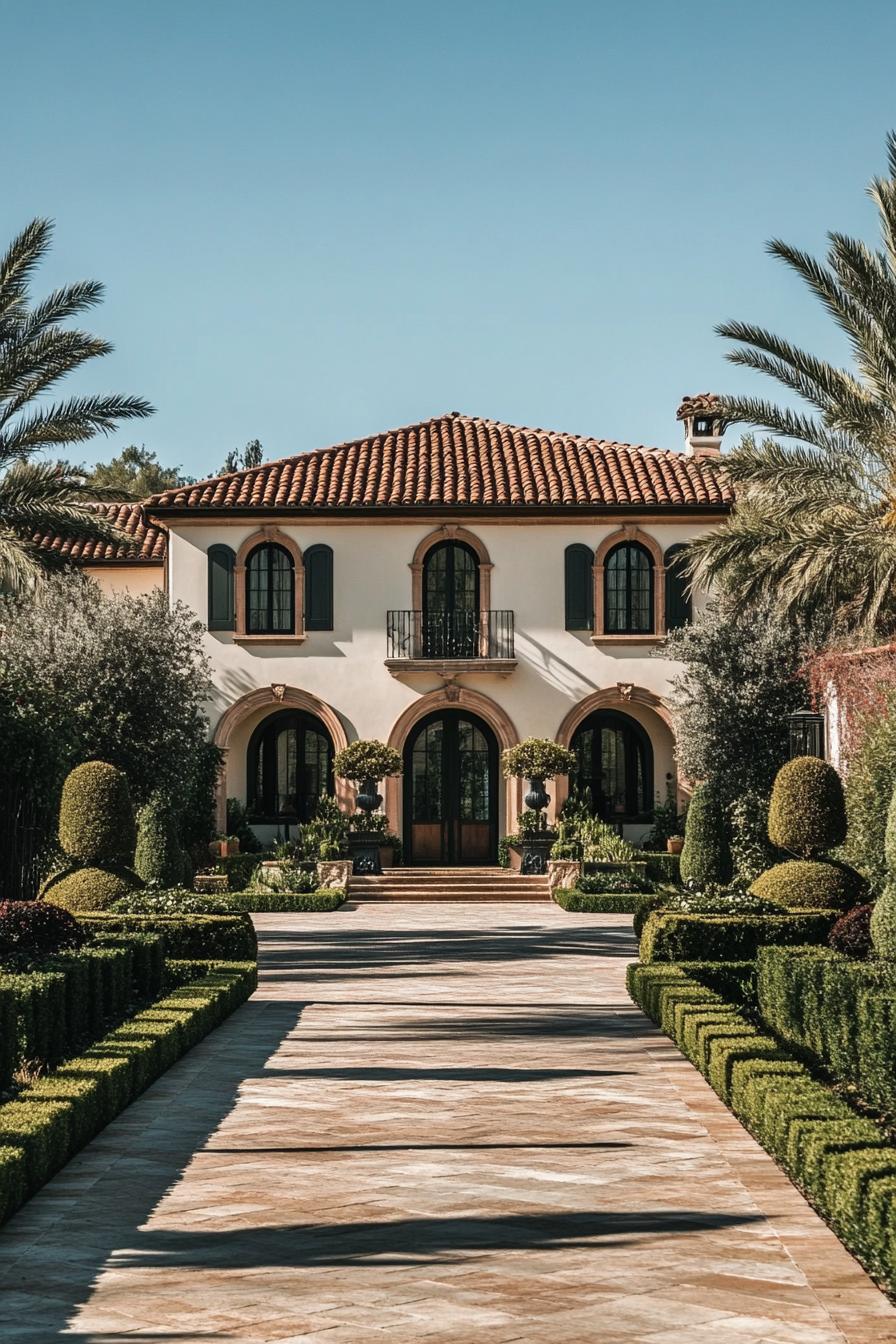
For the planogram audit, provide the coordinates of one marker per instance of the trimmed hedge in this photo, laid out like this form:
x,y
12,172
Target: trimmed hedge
x,y
838,1013
273,902
706,856
96,815
843,1163
199,937
598,902
677,937
158,858
663,867
88,889
56,1116
238,869
807,813
148,968
811,884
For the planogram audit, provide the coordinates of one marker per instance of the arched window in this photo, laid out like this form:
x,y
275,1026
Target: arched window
x,y
678,600
288,767
614,766
451,601
318,562
270,591
628,590
579,587
221,611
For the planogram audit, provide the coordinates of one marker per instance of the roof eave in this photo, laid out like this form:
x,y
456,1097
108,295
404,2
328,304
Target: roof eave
x,y
233,512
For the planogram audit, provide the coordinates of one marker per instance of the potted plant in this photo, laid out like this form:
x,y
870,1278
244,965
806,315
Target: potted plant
x,y
536,759
675,844
365,763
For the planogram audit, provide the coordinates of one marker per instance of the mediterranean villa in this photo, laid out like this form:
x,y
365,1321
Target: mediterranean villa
x,y
449,588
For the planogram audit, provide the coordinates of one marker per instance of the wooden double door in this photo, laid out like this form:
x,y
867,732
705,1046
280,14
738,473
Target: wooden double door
x,y
451,791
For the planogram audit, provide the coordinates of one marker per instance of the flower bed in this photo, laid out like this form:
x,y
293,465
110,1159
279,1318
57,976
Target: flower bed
x,y
54,1117
843,1162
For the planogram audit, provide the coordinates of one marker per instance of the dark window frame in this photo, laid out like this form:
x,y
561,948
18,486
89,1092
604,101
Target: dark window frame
x,y
267,549
217,574
265,735
635,740
679,604
628,627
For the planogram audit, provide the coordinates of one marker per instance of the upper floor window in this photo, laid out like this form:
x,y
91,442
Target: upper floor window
x,y
270,591
318,562
628,590
221,608
578,574
679,609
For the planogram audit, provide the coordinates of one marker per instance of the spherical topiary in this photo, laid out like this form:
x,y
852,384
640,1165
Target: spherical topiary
x,y
96,816
851,935
705,856
90,888
811,884
159,859
883,923
807,815
30,930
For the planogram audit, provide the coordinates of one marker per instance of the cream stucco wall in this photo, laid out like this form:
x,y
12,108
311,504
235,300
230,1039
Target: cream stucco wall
x,y
136,580
556,669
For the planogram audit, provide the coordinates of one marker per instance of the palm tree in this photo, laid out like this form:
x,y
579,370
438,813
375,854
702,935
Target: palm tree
x,y
36,351
814,526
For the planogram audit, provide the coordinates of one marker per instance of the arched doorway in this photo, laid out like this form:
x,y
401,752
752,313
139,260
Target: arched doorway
x,y
289,764
614,766
451,790
450,601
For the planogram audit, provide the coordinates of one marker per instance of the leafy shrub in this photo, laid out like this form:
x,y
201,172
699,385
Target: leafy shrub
x,y
682,937
328,825
868,788
31,930
807,813
667,822
811,884
620,880
537,758
90,888
96,816
238,869
287,877
597,903
851,935
201,937
751,849
663,867
261,902
158,859
238,826
364,760
177,901
883,923
705,856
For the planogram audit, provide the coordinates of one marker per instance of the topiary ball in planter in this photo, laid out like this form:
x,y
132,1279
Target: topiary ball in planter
x,y
811,884
96,815
90,888
807,814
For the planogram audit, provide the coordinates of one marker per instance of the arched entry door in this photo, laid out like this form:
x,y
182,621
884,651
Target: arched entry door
x,y
451,791
451,601
614,766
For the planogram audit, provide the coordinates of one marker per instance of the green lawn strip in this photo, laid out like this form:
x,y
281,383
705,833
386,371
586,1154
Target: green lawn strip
x,y
275,902
843,1163
57,1115
598,902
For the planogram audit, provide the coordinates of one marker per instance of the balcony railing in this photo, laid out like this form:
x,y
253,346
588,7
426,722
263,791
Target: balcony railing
x,y
446,635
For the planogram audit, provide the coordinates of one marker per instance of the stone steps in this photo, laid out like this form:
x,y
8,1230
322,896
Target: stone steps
x,y
449,884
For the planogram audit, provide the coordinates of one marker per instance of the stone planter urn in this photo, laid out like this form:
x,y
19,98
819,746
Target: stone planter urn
x,y
564,874
536,852
333,874
536,799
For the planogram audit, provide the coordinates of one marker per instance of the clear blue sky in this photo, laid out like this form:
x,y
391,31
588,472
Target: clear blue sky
x,y
321,218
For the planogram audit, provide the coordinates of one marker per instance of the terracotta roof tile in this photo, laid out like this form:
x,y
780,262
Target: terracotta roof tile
x,y
151,539
703,403
461,461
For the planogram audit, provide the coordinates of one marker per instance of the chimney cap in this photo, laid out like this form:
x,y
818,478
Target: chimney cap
x,y
704,403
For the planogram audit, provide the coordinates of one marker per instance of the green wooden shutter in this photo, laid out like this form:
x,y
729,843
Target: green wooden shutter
x,y
678,601
221,611
318,562
579,577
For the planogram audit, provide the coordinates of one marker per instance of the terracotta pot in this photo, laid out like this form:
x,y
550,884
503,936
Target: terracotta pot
x,y
675,844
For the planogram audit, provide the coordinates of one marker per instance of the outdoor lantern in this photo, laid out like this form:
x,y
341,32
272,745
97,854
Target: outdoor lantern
x,y
806,733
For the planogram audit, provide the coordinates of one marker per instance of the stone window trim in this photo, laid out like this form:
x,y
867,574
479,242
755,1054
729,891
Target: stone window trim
x,y
627,534
269,536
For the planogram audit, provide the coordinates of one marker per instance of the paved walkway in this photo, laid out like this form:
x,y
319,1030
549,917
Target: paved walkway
x,y
432,1123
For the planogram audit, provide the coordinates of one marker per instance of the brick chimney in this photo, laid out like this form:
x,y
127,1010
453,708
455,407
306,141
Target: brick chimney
x,y
703,425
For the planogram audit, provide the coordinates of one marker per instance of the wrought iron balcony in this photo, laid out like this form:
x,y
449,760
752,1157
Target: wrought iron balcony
x,y
484,637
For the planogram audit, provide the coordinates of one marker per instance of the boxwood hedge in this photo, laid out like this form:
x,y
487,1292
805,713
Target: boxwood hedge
x,y
681,937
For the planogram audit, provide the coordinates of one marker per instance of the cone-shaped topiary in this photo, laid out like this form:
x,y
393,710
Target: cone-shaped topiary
x,y
96,816
883,916
705,856
807,815
811,884
90,888
159,859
